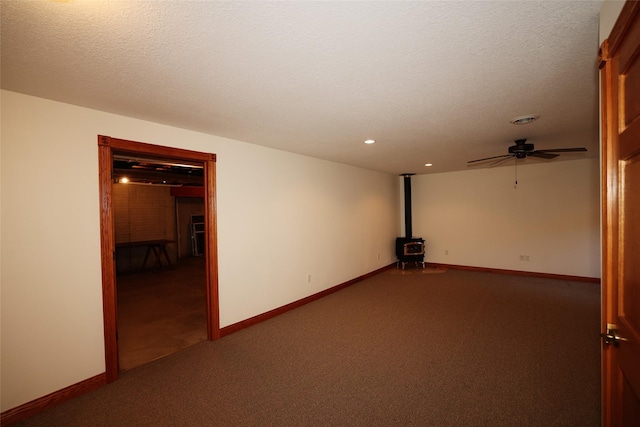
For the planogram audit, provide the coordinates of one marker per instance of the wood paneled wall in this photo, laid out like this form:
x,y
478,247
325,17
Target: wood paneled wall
x,y
142,212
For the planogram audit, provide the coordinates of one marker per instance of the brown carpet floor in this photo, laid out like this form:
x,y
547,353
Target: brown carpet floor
x,y
458,348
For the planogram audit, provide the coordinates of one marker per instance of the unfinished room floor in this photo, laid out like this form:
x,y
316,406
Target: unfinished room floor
x,y
161,311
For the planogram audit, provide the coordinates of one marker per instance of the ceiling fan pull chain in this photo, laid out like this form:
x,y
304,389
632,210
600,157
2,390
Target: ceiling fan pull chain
x,y
516,185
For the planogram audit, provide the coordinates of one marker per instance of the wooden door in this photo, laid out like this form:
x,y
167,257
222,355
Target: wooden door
x,y
620,63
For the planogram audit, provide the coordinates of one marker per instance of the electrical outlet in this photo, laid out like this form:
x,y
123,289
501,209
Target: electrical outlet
x,y
378,256
308,278
524,257
446,251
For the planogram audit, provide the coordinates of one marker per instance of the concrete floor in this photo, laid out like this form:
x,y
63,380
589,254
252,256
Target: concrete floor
x,y
161,311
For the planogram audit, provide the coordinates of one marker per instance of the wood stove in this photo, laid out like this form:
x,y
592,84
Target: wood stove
x,y
409,249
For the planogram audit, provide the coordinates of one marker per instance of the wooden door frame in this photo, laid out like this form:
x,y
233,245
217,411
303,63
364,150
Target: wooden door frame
x,y
106,148
609,159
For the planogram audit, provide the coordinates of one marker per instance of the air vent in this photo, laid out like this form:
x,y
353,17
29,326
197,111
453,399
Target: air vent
x,y
523,120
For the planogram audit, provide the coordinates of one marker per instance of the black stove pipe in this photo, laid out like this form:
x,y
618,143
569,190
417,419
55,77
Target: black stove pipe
x,y
408,227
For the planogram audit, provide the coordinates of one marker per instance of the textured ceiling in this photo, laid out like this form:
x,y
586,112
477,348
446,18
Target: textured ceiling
x,y
430,81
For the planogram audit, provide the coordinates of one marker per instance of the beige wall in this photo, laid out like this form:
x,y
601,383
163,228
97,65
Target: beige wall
x,y
480,218
609,13
281,218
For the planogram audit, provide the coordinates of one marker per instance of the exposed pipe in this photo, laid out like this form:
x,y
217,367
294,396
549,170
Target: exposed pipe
x,y
408,227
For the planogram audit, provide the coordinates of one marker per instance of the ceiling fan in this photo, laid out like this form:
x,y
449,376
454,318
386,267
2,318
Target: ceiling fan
x,y
522,150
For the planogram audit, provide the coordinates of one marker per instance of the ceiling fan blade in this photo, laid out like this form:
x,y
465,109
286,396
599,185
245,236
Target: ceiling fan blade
x,y
542,154
565,150
497,162
489,158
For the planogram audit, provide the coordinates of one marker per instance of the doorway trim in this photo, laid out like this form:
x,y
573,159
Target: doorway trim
x,y
106,148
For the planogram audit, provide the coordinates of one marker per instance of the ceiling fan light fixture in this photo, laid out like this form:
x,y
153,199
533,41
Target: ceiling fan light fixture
x,y
523,120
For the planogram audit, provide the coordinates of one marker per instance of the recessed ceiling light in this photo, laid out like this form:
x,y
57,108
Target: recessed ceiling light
x,y
523,120
428,164
369,141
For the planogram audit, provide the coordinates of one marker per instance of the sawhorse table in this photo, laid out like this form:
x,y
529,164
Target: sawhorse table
x,y
158,247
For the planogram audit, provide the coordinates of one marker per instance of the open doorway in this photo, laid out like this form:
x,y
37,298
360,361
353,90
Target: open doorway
x,y
160,270
157,296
